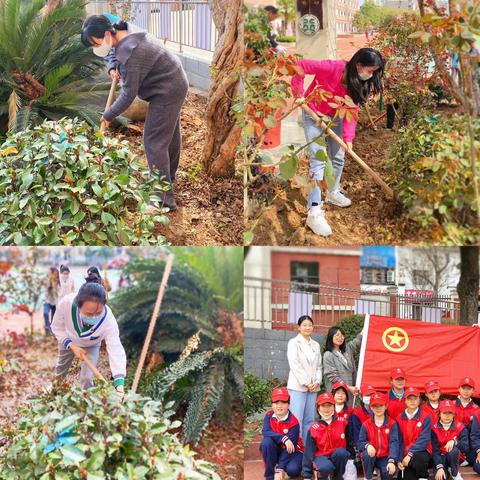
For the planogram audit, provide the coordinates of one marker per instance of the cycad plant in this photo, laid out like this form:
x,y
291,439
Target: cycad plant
x,y
207,384
188,306
45,71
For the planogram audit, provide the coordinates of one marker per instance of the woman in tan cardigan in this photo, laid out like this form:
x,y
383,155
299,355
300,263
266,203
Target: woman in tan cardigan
x,y
305,377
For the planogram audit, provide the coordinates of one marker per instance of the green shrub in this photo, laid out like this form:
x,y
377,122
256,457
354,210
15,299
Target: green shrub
x,y
351,325
61,183
45,70
430,169
286,38
257,394
92,435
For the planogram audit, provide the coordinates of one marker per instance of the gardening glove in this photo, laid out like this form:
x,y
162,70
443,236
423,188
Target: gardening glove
x,y
281,50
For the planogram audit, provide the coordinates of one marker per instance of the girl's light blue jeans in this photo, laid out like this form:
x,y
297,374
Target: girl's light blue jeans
x,y
302,405
334,151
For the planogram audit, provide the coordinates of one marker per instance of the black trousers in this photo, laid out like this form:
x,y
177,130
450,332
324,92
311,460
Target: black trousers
x,y
418,466
391,114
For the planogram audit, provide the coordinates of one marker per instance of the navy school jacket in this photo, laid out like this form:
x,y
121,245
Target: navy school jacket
x,y
323,439
281,431
415,434
440,437
384,439
359,415
475,433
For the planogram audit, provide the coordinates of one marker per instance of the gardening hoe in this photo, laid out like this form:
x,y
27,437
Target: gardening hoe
x,y
110,98
372,122
93,368
374,175
153,321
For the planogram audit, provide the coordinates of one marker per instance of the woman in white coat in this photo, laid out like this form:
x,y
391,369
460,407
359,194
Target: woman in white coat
x,y
305,375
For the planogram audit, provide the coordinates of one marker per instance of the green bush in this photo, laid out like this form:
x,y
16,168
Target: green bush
x,y
430,169
257,394
92,435
351,325
61,183
45,70
286,38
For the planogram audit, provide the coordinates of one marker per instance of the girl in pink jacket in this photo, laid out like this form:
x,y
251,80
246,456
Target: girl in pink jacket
x,y
359,78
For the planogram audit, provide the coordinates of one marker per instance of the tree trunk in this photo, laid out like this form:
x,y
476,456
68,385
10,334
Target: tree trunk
x,y
468,285
223,136
31,323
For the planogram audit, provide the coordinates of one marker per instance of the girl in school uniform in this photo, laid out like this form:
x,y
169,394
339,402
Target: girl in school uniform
x,y
449,438
81,323
328,445
340,395
415,427
359,78
396,397
378,440
432,392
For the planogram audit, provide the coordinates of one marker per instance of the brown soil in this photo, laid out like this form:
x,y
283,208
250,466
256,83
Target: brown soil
x,y
210,210
372,219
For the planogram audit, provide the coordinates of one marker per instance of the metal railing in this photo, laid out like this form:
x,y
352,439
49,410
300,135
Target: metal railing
x,y
185,23
278,304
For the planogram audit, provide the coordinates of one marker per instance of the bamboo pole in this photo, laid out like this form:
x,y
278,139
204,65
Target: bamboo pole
x,y
110,98
153,321
374,175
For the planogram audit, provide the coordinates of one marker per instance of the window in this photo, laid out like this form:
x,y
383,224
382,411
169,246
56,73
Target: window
x,y
378,276
305,272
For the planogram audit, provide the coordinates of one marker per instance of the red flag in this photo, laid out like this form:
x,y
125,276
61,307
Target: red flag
x,y
425,351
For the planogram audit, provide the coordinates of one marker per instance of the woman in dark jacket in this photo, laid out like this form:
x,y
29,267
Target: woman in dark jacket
x,y
151,72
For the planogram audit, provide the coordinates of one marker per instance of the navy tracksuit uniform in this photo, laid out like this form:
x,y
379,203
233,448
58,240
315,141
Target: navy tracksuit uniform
x,y
465,415
386,443
328,448
358,416
415,440
272,447
440,437
475,440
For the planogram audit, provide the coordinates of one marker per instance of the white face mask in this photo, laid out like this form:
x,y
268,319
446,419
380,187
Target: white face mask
x,y
365,76
104,49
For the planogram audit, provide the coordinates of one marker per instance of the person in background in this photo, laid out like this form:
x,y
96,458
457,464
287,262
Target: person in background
x,y
449,438
272,15
67,285
378,440
363,412
475,440
340,395
281,446
93,275
396,403
51,298
305,376
432,392
339,361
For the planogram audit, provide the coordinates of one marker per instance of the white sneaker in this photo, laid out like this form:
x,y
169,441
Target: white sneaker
x,y
338,198
317,222
464,463
458,477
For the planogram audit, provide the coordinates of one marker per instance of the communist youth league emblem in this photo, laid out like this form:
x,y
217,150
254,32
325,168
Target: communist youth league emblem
x,y
395,339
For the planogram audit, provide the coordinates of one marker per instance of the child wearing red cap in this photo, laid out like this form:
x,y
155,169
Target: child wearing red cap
x,y
415,427
466,408
362,412
396,403
432,392
449,438
328,445
281,446
340,395
378,440
475,440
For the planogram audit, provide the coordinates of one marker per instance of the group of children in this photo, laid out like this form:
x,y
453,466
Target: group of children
x,y
392,432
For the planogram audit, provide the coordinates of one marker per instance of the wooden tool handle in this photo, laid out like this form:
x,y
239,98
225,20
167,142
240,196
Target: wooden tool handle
x,y
93,368
374,175
111,96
